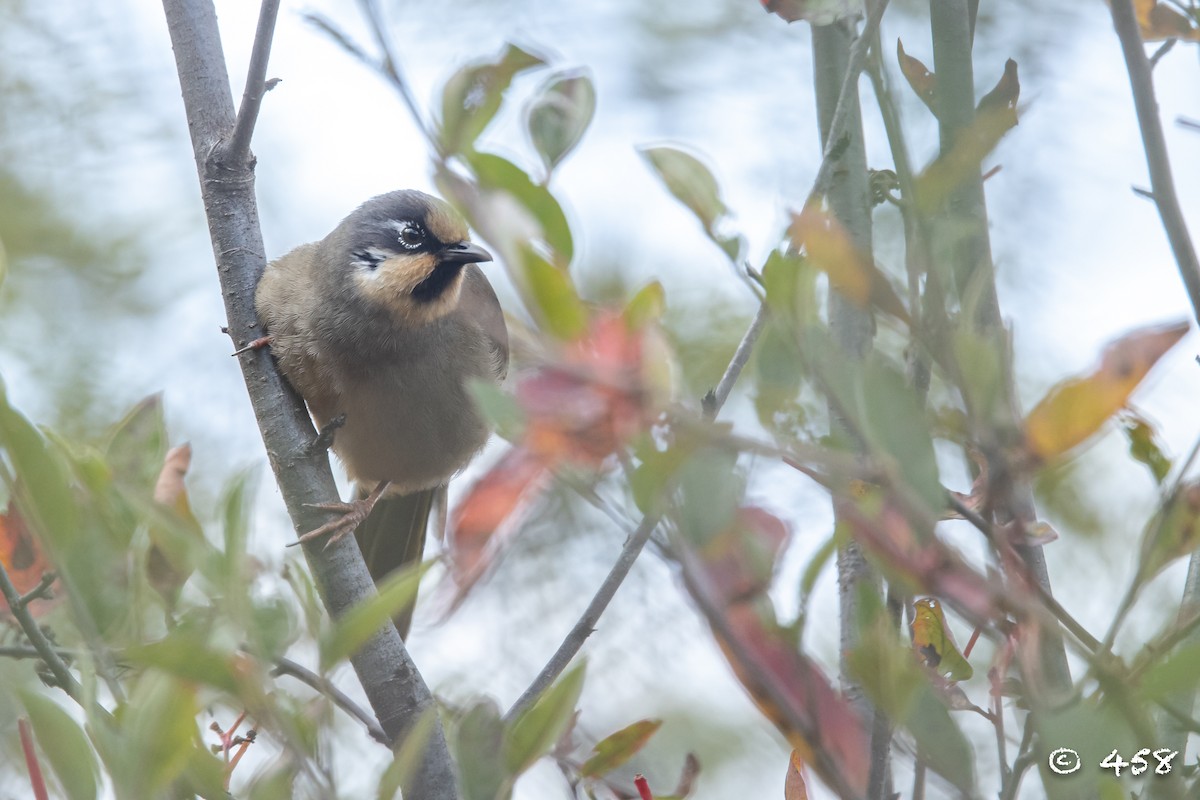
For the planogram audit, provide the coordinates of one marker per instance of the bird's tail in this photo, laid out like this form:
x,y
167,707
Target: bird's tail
x,y
393,536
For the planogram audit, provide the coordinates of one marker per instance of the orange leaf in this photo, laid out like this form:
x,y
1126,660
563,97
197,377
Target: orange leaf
x,y
1076,408
1158,21
794,787
22,556
922,81
829,248
165,570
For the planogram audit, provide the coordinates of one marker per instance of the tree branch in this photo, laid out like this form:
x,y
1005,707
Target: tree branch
x,y
1162,184
33,632
238,149
285,666
396,691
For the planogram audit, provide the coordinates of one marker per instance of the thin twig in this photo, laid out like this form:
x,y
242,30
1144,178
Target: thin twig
x,y
714,400
390,67
285,666
237,149
591,615
1155,144
45,649
1162,51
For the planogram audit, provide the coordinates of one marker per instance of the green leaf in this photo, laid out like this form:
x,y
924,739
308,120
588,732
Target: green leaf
x,y
407,756
896,424
159,727
615,749
712,491
186,654
65,745
535,732
479,751
473,95
1179,672
690,181
497,173
1144,445
890,676
560,115
43,472
499,407
397,592
790,283
1173,532
137,445
648,305
556,305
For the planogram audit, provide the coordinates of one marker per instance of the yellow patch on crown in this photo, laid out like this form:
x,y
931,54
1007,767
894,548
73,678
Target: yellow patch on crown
x,y
444,222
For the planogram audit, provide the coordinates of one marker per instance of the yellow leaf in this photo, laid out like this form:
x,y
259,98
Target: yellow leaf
x,y
1076,408
934,642
1158,22
830,249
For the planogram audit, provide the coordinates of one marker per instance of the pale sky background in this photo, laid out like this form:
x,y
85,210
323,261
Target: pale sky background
x,y
1082,259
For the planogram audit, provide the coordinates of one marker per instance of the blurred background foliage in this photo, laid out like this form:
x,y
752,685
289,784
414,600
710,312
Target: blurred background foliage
x,y
110,296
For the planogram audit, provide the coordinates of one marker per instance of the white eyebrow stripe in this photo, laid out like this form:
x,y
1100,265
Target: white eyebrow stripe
x,y
377,255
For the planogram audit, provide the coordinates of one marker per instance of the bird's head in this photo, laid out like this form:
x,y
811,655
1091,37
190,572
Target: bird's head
x,y
405,252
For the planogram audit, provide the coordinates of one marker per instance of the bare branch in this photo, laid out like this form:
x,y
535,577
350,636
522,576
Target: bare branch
x,y
285,666
42,645
238,148
1162,184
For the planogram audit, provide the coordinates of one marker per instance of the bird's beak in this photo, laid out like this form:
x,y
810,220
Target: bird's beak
x,y
464,253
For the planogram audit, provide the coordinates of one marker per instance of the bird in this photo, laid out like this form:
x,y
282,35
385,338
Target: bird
x,y
381,327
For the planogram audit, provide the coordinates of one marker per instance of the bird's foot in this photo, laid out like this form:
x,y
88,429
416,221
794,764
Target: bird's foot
x,y
257,344
352,515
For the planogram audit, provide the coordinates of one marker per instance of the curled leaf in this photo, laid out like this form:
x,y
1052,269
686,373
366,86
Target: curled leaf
x,y
560,115
1076,408
830,249
922,81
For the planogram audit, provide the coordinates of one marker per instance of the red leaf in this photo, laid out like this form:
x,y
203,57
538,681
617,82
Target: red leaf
x,y
490,503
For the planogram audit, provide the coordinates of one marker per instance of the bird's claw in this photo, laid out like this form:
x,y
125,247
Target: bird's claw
x,y
352,515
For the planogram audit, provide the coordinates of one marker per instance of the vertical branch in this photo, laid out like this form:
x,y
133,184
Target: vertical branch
x,y
973,275
396,691
848,195
1162,185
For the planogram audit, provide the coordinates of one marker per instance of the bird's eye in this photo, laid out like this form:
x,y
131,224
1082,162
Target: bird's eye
x,y
411,236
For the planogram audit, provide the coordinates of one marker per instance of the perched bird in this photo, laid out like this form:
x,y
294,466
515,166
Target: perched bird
x,y
380,327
